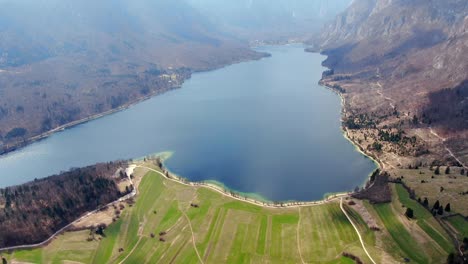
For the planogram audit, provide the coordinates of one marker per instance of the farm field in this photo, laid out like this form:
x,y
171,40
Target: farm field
x,y
421,239
169,218
460,224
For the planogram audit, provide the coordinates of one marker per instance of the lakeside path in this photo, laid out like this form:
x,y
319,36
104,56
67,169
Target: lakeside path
x,y
63,229
249,200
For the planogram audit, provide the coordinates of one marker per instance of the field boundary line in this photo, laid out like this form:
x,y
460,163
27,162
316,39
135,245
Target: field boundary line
x,y
357,231
131,251
298,238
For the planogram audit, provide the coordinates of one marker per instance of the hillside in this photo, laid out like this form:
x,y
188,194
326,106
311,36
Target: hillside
x,y
30,213
75,59
401,67
403,63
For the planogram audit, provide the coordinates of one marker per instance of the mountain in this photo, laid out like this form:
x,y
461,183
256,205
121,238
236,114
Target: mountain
x,y
409,57
64,60
268,20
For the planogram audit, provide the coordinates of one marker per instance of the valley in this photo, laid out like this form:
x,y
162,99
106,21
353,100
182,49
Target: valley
x,y
256,162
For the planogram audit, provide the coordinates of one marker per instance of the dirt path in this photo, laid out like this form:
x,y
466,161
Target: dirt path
x,y
392,104
298,237
131,251
446,148
357,231
380,92
193,237
61,230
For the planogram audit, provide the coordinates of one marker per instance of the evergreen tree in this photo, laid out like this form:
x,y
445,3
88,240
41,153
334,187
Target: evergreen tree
x,y
409,213
415,120
451,258
447,208
440,211
447,170
462,172
426,202
436,205
437,170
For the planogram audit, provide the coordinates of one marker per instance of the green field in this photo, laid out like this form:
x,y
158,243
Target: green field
x,y
460,224
425,220
422,239
226,230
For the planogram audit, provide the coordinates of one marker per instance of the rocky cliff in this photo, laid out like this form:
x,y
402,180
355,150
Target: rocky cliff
x,y
409,57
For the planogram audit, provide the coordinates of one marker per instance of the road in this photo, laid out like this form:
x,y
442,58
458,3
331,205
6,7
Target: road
x,y
357,231
45,242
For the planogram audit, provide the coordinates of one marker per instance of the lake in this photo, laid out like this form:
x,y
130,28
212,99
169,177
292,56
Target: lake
x,y
263,127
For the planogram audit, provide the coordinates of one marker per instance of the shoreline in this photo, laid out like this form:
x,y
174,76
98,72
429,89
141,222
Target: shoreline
x,y
256,198
218,185
19,144
285,204
130,169
345,130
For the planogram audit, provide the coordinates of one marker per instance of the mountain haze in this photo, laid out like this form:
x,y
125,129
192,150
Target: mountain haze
x,y
64,60
271,20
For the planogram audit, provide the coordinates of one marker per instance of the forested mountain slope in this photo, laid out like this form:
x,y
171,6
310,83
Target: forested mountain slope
x,y
63,60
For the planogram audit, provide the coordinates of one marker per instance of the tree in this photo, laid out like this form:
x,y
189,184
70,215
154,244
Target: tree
x,y
437,170
447,208
440,211
409,213
436,205
415,120
377,146
426,202
100,229
451,258
447,170
462,172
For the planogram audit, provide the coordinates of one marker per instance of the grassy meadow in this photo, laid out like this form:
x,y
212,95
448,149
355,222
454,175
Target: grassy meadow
x,y
175,223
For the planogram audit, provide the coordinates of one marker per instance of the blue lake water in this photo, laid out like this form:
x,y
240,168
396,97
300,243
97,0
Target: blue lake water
x,y
262,127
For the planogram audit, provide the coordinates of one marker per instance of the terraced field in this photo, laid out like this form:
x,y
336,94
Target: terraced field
x,y
175,223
